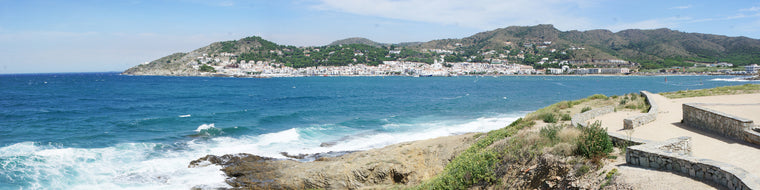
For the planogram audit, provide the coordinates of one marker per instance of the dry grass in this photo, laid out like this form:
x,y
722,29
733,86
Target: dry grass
x,y
724,90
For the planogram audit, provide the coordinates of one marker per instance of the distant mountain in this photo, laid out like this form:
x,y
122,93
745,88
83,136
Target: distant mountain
x,y
660,47
357,40
521,44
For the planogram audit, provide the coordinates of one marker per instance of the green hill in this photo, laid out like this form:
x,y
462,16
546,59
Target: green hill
x,y
357,40
515,44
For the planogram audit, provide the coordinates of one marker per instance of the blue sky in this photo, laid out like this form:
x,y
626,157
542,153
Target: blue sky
x,y
110,35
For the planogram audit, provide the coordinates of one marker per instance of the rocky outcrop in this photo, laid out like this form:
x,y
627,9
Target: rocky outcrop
x,y
172,65
400,164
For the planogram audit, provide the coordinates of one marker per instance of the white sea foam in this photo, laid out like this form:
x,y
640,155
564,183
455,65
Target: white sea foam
x,y
736,79
278,137
204,127
153,166
124,166
188,115
396,133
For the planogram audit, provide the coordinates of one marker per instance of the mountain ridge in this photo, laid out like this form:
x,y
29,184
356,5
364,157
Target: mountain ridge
x,y
655,48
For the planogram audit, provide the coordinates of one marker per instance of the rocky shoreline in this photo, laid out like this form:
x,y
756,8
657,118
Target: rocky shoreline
x,y
394,165
526,157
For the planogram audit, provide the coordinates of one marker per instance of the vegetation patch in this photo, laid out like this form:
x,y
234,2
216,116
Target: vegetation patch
x,y
597,96
489,160
725,90
475,165
585,109
206,68
594,142
549,118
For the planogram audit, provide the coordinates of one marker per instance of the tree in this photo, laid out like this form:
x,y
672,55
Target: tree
x,y
206,68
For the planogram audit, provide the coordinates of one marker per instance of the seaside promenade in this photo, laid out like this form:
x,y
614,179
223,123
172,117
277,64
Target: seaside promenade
x,y
705,144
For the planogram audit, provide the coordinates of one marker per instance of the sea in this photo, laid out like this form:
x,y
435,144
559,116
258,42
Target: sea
x,y
110,131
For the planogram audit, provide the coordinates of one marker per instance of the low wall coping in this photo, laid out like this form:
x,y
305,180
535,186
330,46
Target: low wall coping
x,y
701,106
749,180
581,118
641,119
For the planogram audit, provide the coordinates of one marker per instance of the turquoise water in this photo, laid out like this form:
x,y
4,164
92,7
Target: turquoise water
x,y
107,131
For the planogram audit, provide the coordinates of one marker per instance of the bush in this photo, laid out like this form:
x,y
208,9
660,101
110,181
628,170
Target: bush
x,y
549,118
623,101
475,165
206,68
585,109
582,170
566,117
550,132
597,96
594,142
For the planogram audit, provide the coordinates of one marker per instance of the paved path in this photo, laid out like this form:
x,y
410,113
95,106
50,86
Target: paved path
x,y
704,145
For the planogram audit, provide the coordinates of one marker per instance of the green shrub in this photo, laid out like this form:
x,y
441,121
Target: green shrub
x,y
566,117
550,132
594,142
597,96
614,96
634,96
585,109
549,118
608,178
623,101
477,163
582,170
206,68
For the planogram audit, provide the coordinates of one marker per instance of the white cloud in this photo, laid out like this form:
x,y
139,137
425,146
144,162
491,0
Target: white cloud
x,y
682,7
480,14
751,9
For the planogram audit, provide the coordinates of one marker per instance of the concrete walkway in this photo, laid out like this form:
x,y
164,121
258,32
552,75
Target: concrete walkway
x,y
704,144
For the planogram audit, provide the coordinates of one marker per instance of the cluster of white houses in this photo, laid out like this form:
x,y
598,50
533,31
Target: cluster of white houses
x,y
226,64
388,68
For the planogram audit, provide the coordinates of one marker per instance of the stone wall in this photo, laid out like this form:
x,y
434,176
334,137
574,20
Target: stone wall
x,y
721,123
651,115
620,140
581,118
675,155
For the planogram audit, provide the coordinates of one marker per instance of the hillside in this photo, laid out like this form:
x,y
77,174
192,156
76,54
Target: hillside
x,y
541,46
357,40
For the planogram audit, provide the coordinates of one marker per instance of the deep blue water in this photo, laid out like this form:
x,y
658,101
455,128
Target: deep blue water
x,y
104,130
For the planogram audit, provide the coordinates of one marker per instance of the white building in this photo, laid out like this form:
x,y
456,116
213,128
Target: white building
x,y
751,68
554,70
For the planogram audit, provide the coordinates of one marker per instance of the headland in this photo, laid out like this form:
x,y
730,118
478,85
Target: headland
x,y
542,150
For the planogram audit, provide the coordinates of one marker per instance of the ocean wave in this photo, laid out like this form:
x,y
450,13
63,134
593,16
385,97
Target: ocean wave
x,y
339,138
164,166
208,130
28,165
736,79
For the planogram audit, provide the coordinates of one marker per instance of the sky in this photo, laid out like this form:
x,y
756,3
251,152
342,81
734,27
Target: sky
x,y
52,36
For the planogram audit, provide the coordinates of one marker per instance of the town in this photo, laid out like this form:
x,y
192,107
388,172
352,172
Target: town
x,y
226,64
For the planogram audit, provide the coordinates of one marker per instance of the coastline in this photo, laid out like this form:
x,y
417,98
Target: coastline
x,y
537,75
400,165
421,162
